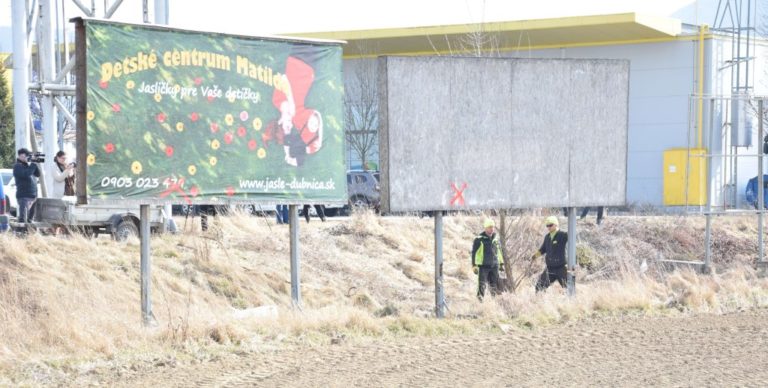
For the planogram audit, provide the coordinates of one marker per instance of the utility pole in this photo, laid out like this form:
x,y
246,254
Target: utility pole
x,y
21,55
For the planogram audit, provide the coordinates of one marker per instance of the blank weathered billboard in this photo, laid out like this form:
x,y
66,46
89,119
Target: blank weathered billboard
x,y
482,133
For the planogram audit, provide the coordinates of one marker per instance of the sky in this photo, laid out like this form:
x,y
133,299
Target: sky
x,y
249,17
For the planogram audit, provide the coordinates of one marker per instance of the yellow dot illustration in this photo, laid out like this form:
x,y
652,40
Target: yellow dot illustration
x,y
215,144
91,159
212,161
180,126
261,153
231,98
130,84
257,124
90,115
191,169
158,97
136,167
229,119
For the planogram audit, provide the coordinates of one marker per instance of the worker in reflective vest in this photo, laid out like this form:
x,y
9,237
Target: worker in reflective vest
x,y
487,259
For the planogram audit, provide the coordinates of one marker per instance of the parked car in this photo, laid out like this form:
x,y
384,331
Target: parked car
x,y
363,191
9,187
363,188
3,211
9,190
751,192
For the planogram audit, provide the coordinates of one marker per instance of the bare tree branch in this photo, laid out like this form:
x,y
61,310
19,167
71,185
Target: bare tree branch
x,y
361,111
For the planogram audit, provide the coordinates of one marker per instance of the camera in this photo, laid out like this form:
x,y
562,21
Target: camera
x,y
36,157
73,164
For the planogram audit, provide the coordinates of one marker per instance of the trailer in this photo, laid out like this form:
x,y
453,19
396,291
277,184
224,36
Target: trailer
x,y
118,221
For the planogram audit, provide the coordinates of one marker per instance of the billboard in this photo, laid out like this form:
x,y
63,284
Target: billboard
x,y
177,116
485,133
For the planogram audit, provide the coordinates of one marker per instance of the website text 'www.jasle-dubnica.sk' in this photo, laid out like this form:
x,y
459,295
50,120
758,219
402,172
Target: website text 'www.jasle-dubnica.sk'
x,y
279,184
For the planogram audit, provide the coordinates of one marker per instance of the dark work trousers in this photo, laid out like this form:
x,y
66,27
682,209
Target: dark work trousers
x,y
487,276
282,214
25,210
205,211
599,213
550,275
320,212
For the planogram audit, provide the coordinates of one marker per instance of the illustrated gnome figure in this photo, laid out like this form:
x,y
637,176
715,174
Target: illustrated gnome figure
x,y
299,129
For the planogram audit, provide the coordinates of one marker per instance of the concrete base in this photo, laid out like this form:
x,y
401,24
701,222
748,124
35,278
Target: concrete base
x,y
697,266
762,269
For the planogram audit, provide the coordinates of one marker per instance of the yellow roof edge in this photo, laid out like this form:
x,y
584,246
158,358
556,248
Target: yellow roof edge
x,y
669,26
538,47
665,25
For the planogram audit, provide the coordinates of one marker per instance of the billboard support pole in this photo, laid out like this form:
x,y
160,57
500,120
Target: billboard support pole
x,y
439,292
295,281
760,183
146,302
708,162
81,97
571,251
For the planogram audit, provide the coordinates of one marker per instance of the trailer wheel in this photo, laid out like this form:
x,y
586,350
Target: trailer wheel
x,y
125,229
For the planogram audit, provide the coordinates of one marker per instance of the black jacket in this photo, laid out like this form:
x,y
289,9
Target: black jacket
x,y
554,248
25,173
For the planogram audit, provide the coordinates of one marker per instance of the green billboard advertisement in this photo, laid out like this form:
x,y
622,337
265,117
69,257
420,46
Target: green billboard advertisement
x,y
180,116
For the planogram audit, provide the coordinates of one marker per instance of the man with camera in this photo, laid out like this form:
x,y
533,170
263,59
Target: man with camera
x,y
25,172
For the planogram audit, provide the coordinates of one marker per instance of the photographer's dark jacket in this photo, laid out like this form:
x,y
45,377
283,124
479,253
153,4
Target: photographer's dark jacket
x,y
554,247
25,175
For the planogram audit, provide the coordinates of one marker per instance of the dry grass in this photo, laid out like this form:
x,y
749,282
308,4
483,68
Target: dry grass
x,y
67,299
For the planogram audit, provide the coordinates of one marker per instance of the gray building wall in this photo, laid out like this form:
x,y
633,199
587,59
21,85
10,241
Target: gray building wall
x,y
662,77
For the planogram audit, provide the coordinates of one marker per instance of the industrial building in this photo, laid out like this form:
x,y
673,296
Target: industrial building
x,y
672,62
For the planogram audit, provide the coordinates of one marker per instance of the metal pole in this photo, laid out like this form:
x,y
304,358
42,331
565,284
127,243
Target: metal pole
x,y
708,166
47,74
146,266
439,294
20,73
162,19
295,281
572,236
760,182
111,11
81,138
161,12
87,11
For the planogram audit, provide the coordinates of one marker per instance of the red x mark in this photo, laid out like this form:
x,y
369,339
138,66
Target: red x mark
x,y
458,198
176,187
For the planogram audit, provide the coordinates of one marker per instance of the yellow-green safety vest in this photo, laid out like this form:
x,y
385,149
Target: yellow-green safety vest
x,y
480,254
